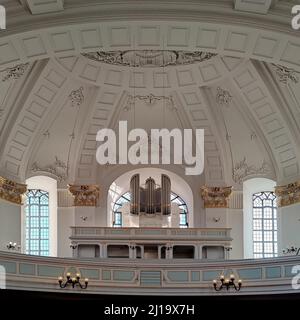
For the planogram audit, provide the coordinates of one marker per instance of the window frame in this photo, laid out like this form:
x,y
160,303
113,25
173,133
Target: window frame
x,y
37,223
264,225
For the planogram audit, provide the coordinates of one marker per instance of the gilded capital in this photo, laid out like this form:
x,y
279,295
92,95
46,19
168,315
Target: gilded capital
x,y
216,197
288,194
12,191
85,195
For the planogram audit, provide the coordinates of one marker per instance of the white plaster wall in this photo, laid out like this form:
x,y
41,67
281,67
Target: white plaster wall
x,y
235,222
65,221
10,223
289,227
49,185
228,218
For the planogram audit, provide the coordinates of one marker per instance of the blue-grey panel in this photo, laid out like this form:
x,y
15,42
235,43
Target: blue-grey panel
x,y
27,269
253,273
273,272
211,275
90,273
178,276
50,271
10,267
195,276
106,275
123,275
150,278
288,271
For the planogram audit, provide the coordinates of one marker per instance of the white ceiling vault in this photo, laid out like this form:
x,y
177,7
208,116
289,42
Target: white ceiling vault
x,y
61,82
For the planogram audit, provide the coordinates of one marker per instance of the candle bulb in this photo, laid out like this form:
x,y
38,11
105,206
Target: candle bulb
x,y
68,275
60,279
86,280
232,277
78,275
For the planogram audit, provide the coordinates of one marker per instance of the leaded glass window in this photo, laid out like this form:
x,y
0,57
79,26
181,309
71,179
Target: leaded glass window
x,y
37,222
264,225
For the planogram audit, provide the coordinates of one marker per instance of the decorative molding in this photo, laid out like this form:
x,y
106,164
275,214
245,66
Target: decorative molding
x,y
216,197
242,170
77,97
85,195
15,72
12,191
149,58
43,7
285,74
288,194
223,97
149,100
59,169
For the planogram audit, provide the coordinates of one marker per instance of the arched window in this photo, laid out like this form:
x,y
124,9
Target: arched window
x,y
183,209
37,222
125,198
264,225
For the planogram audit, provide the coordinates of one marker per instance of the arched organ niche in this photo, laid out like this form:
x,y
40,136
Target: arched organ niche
x,y
150,205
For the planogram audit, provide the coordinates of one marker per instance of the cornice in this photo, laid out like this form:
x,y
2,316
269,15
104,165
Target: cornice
x,y
20,20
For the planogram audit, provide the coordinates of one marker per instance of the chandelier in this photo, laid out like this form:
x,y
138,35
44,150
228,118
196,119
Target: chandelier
x,y
226,283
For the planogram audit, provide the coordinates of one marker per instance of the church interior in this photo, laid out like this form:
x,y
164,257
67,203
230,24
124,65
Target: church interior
x,y
71,225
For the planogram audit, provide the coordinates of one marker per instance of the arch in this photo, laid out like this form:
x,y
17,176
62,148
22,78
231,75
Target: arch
x,y
48,185
250,187
121,185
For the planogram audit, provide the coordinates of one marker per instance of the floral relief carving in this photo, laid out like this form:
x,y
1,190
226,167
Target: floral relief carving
x,y
15,72
285,74
242,170
59,169
149,58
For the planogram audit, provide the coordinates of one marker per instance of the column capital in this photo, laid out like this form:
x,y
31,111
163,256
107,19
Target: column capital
x,y
12,191
288,194
85,195
216,197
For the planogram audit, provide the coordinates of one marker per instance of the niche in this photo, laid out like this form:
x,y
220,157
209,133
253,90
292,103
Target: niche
x,y
88,251
150,252
117,251
213,252
183,252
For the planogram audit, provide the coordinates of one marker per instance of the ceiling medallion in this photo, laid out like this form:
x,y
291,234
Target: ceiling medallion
x,y
149,58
